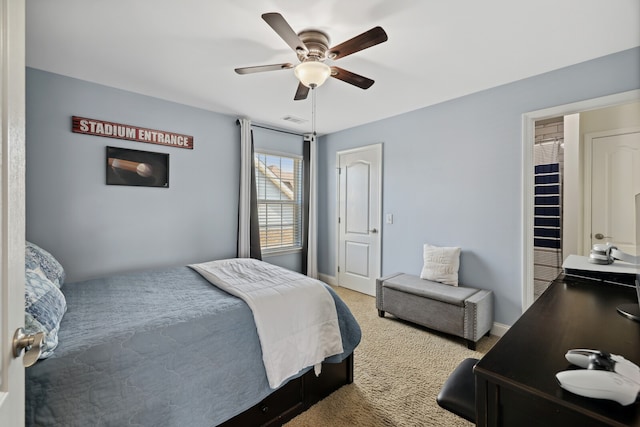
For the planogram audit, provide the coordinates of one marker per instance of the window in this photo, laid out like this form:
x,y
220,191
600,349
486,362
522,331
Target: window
x,y
279,190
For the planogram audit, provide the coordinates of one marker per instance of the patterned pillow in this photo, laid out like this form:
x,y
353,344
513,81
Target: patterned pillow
x,y
36,257
44,307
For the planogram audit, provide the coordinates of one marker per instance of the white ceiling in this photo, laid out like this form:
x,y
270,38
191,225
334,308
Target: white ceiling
x,y
186,50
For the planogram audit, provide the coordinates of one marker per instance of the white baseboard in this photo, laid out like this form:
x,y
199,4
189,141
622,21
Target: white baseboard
x,y
499,329
329,280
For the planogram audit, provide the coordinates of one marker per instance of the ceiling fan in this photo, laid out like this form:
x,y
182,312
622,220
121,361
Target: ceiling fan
x,y
312,48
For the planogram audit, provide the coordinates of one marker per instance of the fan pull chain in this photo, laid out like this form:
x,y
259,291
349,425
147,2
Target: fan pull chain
x,y
313,111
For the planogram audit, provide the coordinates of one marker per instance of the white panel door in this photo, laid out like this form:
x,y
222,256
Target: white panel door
x,y
12,215
359,218
615,180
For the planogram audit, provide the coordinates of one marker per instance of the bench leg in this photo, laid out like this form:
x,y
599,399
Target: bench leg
x,y
471,345
381,313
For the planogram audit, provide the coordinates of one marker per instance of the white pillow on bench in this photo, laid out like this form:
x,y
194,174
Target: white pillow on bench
x,y
441,264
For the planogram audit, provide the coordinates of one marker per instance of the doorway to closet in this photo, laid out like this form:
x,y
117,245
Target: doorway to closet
x,y
548,156
589,120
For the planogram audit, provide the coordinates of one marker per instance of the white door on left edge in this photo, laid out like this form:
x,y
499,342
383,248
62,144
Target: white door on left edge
x,y
12,214
359,218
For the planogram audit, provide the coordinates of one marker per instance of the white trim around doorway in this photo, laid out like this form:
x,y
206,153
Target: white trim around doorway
x,y
528,136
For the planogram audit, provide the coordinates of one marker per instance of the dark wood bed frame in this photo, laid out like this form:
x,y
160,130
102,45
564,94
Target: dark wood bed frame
x,y
296,396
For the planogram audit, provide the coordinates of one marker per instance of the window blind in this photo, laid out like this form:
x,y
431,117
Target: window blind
x,y
279,193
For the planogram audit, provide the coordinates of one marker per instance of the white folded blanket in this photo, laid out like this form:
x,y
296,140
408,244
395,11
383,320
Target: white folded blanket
x,y
295,315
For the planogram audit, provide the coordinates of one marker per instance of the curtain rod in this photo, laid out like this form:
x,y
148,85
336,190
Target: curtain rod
x,y
273,129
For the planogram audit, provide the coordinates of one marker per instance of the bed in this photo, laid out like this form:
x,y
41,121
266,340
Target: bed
x,y
167,348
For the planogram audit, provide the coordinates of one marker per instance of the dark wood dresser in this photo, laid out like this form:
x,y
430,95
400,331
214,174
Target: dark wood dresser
x,y
515,380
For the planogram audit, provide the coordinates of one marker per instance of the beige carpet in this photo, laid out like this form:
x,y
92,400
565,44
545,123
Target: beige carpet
x,y
399,370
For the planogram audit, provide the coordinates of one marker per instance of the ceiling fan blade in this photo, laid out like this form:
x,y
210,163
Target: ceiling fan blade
x,y
301,92
365,40
351,78
261,68
284,30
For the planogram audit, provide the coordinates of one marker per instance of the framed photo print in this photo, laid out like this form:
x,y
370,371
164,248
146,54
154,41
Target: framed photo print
x,y
137,168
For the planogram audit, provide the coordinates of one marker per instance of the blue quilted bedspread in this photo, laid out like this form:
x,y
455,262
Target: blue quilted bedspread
x,y
159,348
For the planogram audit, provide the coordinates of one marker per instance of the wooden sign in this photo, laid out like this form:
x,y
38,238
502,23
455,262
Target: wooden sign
x,y
128,132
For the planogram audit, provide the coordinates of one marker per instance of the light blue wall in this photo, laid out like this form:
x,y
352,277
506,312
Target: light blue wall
x,y
452,175
95,229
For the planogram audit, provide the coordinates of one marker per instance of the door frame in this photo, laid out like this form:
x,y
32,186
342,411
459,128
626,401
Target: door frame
x,y
378,148
528,138
588,168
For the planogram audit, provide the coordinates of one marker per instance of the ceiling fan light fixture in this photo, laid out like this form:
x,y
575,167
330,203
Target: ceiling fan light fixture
x,y
312,74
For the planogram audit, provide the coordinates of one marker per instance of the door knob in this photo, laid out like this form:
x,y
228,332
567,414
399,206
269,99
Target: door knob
x,y
32,344
373,230
600,236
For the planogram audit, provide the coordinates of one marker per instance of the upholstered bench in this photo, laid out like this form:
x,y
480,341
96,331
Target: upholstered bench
x,y
458,310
